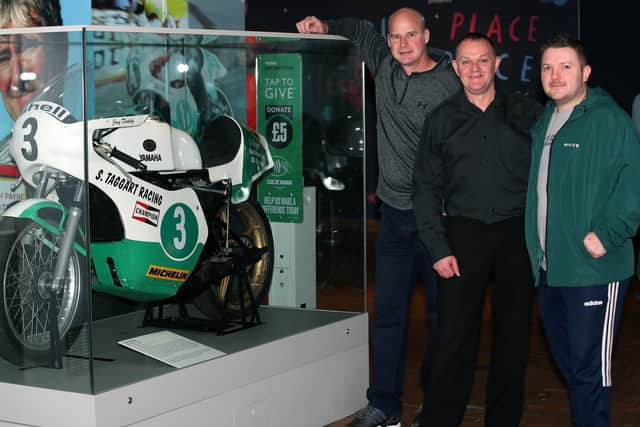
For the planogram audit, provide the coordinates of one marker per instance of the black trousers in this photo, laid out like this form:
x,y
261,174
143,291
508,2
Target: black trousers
x,y
481,250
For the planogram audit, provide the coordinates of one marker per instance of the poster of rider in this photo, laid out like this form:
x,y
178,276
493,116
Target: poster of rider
x,y
517,28
25,64
140,67
219,14
227,14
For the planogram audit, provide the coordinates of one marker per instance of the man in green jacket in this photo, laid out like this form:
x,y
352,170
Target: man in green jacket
x,y
583,208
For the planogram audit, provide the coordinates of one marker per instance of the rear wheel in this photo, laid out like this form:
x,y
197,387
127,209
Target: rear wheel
x,y
249,230
28,253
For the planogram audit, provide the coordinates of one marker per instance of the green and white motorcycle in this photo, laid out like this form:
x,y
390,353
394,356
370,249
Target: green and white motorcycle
x,y
169,220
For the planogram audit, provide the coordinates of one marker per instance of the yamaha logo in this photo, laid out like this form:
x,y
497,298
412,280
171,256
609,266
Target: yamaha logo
x,y
155,157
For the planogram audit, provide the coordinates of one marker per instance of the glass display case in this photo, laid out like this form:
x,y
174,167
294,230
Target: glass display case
x,y
206,186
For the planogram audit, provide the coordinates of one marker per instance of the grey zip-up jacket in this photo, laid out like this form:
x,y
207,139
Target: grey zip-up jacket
x,y
402,102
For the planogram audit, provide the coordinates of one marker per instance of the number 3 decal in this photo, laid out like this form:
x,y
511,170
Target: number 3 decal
x,y
179,231
30,154
179,242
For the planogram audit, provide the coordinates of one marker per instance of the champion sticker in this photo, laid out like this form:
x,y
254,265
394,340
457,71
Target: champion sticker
x,y
166,273
145,213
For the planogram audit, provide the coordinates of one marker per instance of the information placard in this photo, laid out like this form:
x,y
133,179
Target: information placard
x,y
172,349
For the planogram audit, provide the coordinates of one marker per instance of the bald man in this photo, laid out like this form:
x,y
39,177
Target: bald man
x,y
409,84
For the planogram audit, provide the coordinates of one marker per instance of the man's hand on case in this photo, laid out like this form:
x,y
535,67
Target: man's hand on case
x,y
312,25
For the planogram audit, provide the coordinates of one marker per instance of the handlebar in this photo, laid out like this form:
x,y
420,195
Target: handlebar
x,y
106,151
130,160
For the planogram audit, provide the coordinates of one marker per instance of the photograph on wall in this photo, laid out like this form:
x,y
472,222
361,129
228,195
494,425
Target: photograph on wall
x,y
154,76
27,62
211,15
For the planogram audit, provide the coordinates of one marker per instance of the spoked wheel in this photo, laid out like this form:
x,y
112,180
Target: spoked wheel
x,y
249,231
26,314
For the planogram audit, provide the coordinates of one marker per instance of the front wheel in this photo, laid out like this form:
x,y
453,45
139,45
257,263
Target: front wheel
x,y
249,230
28,253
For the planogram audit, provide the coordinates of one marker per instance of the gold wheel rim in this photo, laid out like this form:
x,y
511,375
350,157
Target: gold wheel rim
x,y
252,234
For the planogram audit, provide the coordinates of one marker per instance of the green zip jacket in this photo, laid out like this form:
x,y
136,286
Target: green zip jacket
x,y
593,185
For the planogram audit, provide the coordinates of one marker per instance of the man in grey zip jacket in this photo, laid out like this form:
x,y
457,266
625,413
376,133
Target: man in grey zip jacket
x,y
409,84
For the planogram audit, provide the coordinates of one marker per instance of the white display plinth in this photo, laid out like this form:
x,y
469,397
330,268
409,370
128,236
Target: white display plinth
x,y
309,378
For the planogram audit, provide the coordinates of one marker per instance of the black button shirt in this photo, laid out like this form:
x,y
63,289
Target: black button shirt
x,y
473,164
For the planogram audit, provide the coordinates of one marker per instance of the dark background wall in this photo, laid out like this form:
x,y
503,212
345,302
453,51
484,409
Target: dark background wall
x,y
607,28
610,31
602,26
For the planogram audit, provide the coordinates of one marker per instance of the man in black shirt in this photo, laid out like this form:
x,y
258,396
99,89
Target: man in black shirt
x,y
470,182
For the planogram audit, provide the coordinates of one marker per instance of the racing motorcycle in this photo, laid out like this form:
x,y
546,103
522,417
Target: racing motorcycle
x,y
168,220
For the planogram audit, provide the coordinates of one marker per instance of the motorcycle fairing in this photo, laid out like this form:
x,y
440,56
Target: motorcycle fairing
x,y
150,266
251,160
257,161
156,277
129,193
33,128
125,189
164,228
148,141
170,221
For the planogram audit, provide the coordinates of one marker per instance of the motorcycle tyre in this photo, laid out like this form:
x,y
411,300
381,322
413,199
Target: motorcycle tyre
x,y
211,302
13,347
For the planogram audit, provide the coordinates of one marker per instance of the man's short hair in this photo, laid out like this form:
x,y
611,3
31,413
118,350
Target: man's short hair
x,y
475,36
411,10
565,40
